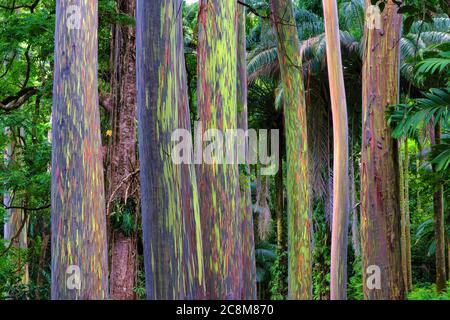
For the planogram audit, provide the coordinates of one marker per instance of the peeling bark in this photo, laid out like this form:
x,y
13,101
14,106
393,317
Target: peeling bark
x,y
246,208
219,183
380,207
78,204
122,157
170,209
299,215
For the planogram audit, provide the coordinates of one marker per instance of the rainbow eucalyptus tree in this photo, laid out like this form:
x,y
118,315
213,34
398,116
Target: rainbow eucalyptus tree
x,y
170,211
219,183
79,249
246,208
341,196
380,195
299,218
122,178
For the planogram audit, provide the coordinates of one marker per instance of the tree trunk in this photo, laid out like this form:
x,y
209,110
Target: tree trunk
x,y
403,215
246,208
279,203
380,218
439,224
78,205
122,158
341,197
356,239
299,216
408,217
218,183
170,212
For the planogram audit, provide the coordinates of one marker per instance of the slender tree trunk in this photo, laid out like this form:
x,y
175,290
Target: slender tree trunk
x,y
122,158
299,216
78,206
356,239
341,197
246,208
170,212
279,205
439,224
380,210
218,183
403,215
408,217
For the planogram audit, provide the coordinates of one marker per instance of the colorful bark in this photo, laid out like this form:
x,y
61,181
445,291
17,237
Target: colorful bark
x,y
170,210
246,208
341,187
219,183
380,210
78,215
299,217
122,157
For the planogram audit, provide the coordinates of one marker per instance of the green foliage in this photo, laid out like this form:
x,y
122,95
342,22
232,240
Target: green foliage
x,y
428,292
123,217
321,253
278,271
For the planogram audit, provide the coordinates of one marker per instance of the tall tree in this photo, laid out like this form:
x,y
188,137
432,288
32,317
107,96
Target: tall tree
x,y
439,218
341,187
16,225
122,200
299,216
219,183
380,208
170,211
246,208
78,206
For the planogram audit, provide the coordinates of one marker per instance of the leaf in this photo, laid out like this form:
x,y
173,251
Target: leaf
x,y
408,23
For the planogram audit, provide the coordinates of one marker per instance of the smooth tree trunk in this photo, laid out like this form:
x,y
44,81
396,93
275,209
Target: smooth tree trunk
x,y
219,183
341,187
439,221
170,212
122,157
403,215
408,216
16,224
246,208
338,276
79,248
299,216
380,207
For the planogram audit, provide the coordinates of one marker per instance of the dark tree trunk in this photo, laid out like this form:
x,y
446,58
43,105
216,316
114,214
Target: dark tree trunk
x,y
170,212
122,158
246,208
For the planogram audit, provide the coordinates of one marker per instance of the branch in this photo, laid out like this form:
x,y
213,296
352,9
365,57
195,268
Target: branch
x,y
28,209
15,102
253,10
